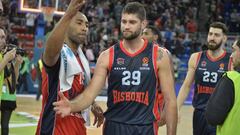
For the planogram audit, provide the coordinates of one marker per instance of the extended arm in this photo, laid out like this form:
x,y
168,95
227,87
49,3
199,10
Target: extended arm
x,y
95,86
55,40
186,86
167,87
82,101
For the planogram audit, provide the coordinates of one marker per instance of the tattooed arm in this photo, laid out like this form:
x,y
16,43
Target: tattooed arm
x,y
167,86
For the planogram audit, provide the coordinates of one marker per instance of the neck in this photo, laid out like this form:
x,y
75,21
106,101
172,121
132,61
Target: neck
x,y
72,45
216,53
133,45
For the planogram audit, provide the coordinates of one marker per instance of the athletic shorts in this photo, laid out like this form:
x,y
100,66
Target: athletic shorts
x,y
200,125
115,128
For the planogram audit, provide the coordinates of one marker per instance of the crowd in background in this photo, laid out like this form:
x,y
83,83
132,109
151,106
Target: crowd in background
x,y
179,21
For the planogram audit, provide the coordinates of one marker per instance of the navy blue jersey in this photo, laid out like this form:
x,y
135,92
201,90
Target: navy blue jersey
x,y
132,85
207,74
50,123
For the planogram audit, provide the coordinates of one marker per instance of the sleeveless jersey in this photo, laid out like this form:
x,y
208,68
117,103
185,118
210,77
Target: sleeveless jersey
x,y
132,85
50,123
207,74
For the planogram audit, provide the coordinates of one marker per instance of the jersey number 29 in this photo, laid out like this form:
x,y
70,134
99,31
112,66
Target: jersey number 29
x,y
131,78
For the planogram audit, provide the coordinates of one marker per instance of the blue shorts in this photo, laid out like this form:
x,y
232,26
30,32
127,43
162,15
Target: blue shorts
x,y
115,128
200,125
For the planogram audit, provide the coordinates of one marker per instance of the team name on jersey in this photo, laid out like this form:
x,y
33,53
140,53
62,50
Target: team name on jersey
x,y
205,89
139,97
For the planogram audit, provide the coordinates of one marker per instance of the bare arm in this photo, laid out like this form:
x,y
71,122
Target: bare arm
x,y
55,40
167,87
87,97
186,86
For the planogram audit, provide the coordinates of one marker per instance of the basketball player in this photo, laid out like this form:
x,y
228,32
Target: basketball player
x,y
205,68
152,34
135,68
68,34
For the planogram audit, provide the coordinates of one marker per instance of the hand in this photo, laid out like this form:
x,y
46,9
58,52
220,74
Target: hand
x,y
74,6
63,106
162,120
98,114
10,55
19,59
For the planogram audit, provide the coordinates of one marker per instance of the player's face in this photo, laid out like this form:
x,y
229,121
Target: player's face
x,y
131,26
236,55
148,34
2,39
78,29
215,39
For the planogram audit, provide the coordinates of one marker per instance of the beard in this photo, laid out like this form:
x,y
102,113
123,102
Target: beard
x,y
132,36
213,45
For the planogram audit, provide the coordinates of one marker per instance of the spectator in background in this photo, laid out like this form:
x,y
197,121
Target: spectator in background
x,y
30,20
24,72
39,68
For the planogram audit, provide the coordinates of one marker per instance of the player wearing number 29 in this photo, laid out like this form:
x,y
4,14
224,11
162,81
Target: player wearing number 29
x,y
135,69
205,68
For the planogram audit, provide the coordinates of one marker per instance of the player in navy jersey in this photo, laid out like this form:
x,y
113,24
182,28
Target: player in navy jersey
x,y
205,69
135,69
62,48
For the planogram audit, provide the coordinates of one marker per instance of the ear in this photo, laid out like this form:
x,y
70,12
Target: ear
x,y
225,38
144,24
155,37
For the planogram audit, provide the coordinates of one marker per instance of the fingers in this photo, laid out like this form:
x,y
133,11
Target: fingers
x,y
61,95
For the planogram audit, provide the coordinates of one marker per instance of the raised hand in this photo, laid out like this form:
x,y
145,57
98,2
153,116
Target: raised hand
x,y
74,7
63,106
98,114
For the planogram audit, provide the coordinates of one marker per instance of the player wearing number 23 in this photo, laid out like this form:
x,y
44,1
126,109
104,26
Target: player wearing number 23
x,y
205,68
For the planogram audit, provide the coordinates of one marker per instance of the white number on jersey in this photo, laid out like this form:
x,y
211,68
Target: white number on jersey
x,y
210,77
135,76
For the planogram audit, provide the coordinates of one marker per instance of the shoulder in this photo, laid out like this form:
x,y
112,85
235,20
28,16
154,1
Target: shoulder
x,y
195,56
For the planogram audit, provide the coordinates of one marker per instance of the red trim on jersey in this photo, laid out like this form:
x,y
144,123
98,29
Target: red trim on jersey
x,y
198,58
45,94
155,127
155,54
136,53
111,57
155,105
216,59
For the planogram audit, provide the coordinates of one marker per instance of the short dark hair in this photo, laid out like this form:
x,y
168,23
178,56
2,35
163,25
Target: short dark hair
x,y
154,29
220,25
135,8
238,42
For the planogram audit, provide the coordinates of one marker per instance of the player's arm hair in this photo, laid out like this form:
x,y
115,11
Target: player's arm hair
x,y
186,86
55,40
85,99
167,87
